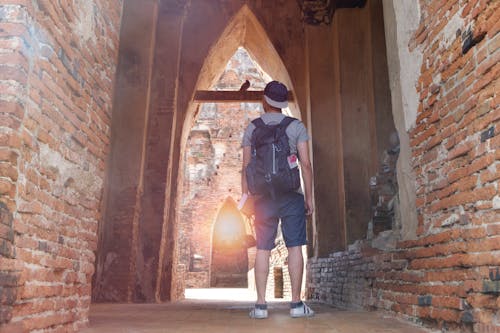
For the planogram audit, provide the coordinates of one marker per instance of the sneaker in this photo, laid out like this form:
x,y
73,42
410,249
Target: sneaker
x,y
300,309
259,311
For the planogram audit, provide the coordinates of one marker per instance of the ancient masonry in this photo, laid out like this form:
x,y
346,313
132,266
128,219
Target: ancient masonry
x,y
57,71
430,254
448,276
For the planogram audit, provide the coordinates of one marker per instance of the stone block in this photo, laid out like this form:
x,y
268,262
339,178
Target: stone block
x,y
5,215
425,300
5,315
6,248
7,296
495,274
491,287
467,317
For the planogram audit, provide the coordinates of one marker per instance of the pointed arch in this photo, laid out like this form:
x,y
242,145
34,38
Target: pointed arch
x,y
244,29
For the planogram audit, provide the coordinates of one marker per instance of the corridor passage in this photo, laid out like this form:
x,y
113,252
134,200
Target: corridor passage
x,y
223,316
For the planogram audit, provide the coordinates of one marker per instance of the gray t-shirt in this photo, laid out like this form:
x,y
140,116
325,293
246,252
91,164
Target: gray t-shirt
x,y
296,131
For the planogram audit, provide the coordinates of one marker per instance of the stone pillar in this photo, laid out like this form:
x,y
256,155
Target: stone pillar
x,y
358,117
327,143
157,227
116,274
351,120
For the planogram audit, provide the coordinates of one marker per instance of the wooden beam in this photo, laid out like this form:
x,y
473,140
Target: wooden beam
x,y
226,96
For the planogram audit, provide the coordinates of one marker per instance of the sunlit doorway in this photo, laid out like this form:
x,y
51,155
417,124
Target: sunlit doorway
x,y
229,265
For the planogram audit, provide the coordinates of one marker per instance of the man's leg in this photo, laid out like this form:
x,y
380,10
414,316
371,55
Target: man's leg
x,y
261,273
294,231
295,268
293,212
266,227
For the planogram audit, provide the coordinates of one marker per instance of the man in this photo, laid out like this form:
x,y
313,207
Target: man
x,y
291,207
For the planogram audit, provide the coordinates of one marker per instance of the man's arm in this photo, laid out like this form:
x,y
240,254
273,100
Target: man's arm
x,y
247,154
306,168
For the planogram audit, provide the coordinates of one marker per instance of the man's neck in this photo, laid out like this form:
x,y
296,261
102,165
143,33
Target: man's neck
x,y
270,109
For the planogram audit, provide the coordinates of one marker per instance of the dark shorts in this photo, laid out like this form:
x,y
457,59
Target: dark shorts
x,y
290,208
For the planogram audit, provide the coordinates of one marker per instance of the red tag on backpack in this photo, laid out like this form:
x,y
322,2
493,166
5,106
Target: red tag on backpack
x,y
293,161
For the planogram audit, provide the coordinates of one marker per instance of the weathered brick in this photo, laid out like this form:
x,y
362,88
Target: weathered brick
x,y
460,150
456,174
493,229
447,302
6,232
6,248
445,314
46,92
487,328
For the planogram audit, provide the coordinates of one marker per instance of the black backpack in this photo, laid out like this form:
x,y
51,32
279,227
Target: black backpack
x,y
269,171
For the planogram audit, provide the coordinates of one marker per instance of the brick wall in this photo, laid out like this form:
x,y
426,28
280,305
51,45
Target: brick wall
x,y
56,73
447,276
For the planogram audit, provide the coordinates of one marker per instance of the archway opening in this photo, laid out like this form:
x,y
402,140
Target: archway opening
x,y
211,185
211,140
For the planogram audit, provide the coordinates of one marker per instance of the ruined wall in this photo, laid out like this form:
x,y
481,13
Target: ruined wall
x,y
57,69
447,275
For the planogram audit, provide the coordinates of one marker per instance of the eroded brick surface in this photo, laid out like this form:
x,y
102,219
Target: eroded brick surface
x,y
443,277
57,68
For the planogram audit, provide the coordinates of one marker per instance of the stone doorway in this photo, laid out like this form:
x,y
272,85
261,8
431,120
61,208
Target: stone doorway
x,y
211,178
211,175
210,158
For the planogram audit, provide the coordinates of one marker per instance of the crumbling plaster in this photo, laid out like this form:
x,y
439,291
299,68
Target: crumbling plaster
x,y
404,70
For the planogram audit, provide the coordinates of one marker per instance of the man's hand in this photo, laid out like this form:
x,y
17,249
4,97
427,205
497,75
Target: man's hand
x,y
305,165
309,206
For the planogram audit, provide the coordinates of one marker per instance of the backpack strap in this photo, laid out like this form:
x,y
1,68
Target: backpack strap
x,y
282,126
279,128
286,121
258,122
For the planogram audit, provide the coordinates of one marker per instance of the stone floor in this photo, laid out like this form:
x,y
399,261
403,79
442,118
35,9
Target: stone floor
x,y
219,315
